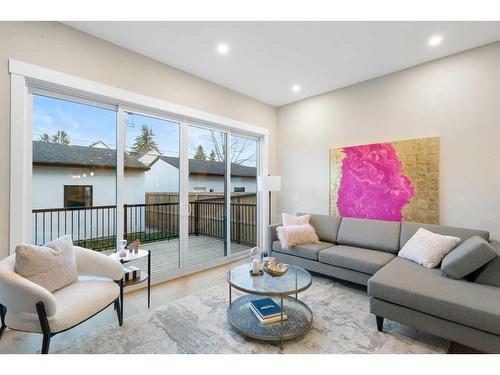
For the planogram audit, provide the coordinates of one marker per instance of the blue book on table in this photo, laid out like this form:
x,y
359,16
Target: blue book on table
x,y
266,307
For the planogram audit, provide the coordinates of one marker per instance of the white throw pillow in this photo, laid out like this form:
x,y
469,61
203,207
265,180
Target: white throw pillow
x,y
428,248
52,265
295,220
292,235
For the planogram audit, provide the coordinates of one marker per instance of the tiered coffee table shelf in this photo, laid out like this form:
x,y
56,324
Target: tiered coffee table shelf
x,y
280,289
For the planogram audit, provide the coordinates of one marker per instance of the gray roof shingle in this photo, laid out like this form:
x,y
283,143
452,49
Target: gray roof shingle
x,y
55,154
209,167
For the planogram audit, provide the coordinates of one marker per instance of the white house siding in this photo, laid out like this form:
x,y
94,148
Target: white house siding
x,y
249,183
48,185
48,192
162,177
217,183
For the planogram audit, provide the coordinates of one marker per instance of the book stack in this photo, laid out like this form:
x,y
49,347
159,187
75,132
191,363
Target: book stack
x,y
266,310
131,273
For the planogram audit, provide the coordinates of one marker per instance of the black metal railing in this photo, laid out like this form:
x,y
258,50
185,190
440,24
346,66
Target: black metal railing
x,y
91,227
151,222
95,227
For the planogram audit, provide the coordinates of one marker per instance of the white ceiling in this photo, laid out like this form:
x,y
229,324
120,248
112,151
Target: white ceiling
x,y
266,58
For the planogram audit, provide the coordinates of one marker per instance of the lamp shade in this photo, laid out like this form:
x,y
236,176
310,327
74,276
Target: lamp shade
x,y
268,183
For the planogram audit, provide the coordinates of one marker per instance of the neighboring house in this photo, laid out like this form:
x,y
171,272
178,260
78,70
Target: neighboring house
x,y
70,176
100,144
204,176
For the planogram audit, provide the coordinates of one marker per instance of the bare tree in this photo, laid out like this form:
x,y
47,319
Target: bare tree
x,y
239,148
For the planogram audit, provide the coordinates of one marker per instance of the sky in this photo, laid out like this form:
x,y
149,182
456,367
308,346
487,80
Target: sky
x,y
87,124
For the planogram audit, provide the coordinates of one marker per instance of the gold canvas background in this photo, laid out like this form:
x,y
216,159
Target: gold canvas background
x,y
419,162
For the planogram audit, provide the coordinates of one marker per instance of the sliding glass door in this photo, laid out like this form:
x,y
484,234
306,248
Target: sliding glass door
x,y
243,188
151,189
207,187
186,192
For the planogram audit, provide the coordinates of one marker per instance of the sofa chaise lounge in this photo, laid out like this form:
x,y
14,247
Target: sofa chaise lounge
x,y
466,311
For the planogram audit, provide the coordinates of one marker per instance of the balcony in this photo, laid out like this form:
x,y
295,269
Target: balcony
x,y
156,225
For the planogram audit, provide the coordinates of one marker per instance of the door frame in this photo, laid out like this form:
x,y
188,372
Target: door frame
x,y
26,77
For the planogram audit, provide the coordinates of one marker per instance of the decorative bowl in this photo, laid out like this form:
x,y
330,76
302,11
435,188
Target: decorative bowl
x,y
276,269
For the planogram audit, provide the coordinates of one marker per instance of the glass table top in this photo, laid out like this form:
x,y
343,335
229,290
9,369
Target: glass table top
x,y
294,281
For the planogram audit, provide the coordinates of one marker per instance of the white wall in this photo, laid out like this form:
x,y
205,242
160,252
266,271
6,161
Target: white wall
x,y
59,47
456,98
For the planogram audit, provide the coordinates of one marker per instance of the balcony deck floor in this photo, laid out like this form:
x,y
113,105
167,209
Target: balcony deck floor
x,y
202,250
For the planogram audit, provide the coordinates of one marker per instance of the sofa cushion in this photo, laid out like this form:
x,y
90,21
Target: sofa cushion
x,y
326,226
309,251
469,256
355,258
370,234
408,229
427,290
489,274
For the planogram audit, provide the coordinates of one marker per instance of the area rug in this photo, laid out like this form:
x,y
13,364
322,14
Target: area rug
x,y
198,324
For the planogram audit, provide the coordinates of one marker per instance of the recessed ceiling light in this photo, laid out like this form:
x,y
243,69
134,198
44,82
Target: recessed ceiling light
x,y
435,40
296,88
223,48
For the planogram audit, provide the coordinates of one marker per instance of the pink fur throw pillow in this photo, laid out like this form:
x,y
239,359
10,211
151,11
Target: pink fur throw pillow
x,y
291,235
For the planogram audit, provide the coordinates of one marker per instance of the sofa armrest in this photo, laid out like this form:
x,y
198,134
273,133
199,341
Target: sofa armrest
x,y
93,263
272,236
21,295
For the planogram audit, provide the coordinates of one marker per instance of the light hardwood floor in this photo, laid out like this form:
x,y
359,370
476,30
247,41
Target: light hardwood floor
x,y
135,303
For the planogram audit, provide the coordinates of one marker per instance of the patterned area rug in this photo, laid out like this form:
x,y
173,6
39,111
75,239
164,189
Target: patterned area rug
x,y
198,324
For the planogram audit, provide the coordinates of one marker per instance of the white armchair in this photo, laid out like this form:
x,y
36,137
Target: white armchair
x,y
26,306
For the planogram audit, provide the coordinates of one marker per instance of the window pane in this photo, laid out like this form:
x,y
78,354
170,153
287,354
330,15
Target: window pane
x,y
243,193
207,176
152,190
74,172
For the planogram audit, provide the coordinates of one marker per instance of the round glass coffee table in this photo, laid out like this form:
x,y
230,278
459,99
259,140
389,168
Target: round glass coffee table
x,y
283,290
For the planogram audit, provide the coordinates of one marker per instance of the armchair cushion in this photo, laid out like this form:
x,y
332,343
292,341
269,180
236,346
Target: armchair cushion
x,y
19,294
75,303
52,266
93,263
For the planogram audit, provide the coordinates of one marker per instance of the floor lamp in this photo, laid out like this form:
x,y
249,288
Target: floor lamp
x,y
269,183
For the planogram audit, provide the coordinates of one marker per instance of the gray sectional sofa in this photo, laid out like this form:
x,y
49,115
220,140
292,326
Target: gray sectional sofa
x,y
466,311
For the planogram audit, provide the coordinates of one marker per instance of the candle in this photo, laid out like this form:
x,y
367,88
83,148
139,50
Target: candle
x,y
255,266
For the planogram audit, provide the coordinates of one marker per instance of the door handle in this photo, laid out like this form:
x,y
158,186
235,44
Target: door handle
x,y
189,209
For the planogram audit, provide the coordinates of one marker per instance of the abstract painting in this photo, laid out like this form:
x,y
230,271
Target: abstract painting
x,y
391,181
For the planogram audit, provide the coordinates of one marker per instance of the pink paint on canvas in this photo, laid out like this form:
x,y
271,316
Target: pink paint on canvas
x,y
372,186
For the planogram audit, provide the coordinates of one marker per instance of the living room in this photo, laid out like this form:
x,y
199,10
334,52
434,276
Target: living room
x,y
258,185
